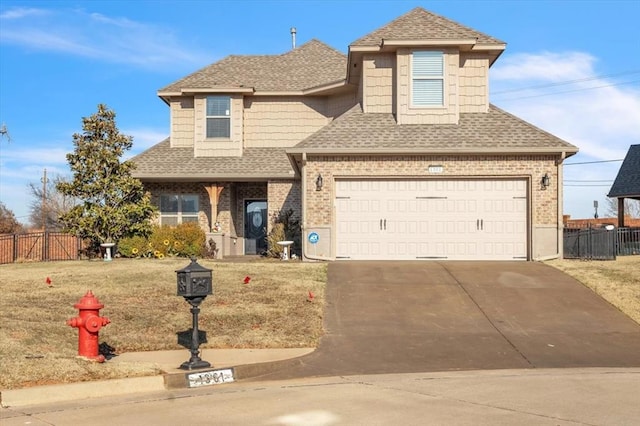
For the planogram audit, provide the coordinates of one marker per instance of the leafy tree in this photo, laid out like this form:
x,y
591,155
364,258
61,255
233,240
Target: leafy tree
x,y
112,204
8,222
48,204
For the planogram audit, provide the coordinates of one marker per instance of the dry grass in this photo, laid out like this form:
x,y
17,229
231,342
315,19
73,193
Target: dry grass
x,y
37,347
617,281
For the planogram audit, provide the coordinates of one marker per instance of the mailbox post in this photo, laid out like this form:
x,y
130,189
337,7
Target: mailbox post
x,y
195,283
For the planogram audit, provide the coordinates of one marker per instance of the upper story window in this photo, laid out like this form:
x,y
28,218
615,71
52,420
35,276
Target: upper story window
x,y
178,208
218,117
427,78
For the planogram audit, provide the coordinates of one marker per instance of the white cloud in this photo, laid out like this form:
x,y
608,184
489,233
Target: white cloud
x,y
22,12
599,115
545,66
144,138
563,94
99,37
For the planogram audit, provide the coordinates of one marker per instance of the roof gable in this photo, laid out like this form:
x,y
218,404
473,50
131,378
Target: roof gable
x,y
309,65
627,183
419,24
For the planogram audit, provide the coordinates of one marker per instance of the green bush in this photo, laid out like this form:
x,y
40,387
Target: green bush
x,y
132,247
184,240
191,239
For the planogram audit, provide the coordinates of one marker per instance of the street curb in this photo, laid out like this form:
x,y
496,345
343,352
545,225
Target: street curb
x,y
240,372
168,380
76,391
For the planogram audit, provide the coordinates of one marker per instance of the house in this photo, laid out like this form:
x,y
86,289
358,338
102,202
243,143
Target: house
x,y
390,152
627,183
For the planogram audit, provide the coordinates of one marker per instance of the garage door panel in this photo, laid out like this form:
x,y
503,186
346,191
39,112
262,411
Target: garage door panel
x,y
453,219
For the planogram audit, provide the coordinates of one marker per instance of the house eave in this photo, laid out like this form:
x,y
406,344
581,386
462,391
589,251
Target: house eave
x,y
227,177
433,151
468,43
323,89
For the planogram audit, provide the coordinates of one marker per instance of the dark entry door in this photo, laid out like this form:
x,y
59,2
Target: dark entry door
x,y
255,226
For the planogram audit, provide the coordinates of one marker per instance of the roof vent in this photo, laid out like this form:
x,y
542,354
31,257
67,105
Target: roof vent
x,y
293,37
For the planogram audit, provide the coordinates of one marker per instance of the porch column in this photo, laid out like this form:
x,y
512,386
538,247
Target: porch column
x,y
621,212
214,190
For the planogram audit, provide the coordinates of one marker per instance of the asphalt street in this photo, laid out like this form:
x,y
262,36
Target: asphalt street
x,y
502,397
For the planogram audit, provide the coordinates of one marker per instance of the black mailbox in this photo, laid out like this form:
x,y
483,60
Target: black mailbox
x,y
194,280
195,283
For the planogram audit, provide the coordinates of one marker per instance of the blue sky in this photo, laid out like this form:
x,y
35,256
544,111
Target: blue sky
x,y
570,67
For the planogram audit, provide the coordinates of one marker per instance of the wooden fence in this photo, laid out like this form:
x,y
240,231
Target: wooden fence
x,y
40,246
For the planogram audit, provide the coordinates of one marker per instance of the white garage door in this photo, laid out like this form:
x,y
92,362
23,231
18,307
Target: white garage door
x,y
431,219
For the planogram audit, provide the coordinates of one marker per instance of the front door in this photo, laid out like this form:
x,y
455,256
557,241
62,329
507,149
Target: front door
x,y
255,226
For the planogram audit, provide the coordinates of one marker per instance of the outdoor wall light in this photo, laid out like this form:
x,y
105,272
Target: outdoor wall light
x,y
319,182
546,181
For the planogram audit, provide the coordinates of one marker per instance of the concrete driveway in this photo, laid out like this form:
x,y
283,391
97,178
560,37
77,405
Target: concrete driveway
x,y
400,317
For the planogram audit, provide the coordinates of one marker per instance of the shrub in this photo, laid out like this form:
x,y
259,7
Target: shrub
x,y
184,240
276,234
285,228
132,247
191,239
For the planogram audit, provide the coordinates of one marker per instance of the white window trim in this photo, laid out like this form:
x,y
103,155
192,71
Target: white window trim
x,y
441,78
179,215
218,116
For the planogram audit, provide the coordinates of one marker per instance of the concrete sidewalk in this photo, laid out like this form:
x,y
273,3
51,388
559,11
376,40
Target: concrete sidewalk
x,y
245,363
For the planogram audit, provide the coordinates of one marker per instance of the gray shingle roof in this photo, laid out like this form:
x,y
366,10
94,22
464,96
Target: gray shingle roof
x,y
161,162
495,131
419,24
310,65
627,183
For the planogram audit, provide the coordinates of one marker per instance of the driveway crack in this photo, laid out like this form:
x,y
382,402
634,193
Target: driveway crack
x,y
486,316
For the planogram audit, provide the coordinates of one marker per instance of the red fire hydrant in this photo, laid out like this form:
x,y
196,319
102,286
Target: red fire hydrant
x,y
89,323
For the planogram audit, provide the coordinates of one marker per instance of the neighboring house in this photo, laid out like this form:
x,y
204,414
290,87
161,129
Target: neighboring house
x,y
390,152
627,183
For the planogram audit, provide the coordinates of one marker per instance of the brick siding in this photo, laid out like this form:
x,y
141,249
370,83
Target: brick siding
x,y
544,202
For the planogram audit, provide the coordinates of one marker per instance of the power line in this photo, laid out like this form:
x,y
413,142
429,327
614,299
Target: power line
x,y
609,185
578,180
563,83
571,91
593,162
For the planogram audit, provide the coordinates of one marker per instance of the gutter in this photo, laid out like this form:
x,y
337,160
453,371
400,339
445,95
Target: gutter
x,y
435,151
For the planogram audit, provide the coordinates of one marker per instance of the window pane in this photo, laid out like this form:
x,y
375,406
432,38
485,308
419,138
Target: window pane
x,y
168,220
169,203
218,128
186,219
189,204
218,106
428,92
428,64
